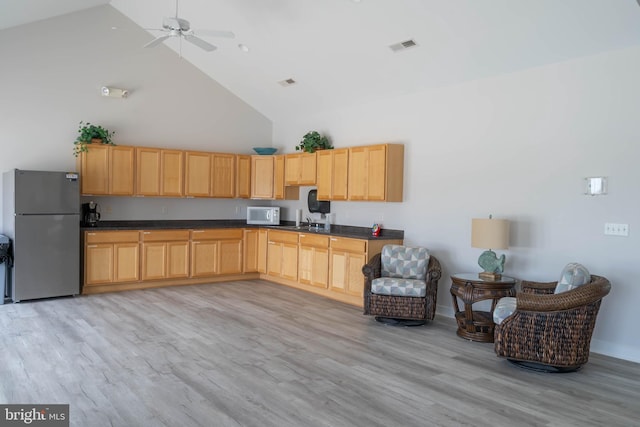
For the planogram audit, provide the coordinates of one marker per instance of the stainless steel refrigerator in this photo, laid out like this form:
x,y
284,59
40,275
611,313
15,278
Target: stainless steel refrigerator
x,y
41,215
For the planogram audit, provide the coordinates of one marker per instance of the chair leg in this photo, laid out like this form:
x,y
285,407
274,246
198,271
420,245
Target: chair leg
x,y
400,322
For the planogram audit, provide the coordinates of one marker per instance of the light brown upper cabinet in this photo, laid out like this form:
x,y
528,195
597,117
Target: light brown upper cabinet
x,y
107,170
267,179
223,175
197,180
159,172
376,173
332,171
243,176
300,169
209,174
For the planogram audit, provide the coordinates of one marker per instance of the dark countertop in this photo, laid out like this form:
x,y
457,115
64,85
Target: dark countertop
x,y
336,229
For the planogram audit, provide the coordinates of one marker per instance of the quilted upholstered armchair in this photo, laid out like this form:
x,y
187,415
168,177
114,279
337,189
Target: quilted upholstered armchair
x,y
551,331
401,285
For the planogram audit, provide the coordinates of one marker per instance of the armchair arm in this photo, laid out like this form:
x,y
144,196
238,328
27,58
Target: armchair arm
x,y
540,288
583,295
371,271
434,271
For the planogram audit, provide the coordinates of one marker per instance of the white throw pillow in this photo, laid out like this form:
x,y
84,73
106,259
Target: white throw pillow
x,y
504,308
573,275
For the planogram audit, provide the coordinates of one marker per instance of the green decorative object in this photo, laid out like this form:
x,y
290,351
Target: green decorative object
x,y
490,262
89,134
313,141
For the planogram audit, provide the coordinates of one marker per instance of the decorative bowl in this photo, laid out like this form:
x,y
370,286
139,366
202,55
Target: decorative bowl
x,y
265,150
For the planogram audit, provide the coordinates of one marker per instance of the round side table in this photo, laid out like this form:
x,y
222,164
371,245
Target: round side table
x,y
478,325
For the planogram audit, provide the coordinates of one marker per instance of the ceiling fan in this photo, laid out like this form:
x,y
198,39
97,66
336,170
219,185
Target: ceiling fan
x,y
178,27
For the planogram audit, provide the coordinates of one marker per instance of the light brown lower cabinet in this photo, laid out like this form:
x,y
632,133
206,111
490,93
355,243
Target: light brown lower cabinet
x,y
313,260
282,254
347,256
111,257
216,251
134,259
165,254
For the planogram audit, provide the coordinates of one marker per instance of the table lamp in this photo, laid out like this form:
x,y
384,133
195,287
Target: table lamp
x,y
489,233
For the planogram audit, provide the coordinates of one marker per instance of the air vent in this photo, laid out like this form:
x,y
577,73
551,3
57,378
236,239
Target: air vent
x,y
287,82
397,47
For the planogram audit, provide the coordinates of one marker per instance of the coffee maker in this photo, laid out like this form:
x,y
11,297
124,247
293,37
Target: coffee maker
x,y
90,214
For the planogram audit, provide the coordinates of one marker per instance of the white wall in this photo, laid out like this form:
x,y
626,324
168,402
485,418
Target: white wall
x,y
516,146
51,77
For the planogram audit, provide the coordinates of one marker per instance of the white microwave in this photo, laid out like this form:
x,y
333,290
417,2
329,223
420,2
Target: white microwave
x,y
264,215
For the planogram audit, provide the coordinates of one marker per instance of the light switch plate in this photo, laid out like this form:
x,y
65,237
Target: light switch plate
x,y
612,229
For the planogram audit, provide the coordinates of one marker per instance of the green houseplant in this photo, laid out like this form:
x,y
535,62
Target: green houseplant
x,y
88,134
313,141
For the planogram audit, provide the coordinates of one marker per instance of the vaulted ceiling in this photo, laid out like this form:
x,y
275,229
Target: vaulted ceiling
x,y
338,51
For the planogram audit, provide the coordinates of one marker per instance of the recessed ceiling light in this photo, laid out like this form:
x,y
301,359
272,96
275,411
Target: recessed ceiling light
x,y
243,47
287,82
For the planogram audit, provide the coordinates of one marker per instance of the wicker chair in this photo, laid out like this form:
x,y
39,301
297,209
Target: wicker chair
x,y
551,332
402,310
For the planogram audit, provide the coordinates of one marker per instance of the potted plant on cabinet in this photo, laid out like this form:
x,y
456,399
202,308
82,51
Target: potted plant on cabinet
x,y
312,142
91,134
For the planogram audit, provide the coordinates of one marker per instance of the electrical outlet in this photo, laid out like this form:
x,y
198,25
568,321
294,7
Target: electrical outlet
x,y
164,210
107,209
612,229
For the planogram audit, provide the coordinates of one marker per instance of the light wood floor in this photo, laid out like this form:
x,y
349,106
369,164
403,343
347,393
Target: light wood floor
x,y
259,354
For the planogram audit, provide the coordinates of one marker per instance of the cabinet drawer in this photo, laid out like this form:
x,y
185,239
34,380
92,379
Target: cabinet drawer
x,y
216,234
111,236
314,240
164,235
350,245
283,237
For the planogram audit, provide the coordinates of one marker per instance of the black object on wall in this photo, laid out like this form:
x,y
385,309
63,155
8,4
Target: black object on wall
x,y
315,205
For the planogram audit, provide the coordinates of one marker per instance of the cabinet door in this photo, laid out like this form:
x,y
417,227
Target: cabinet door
x,y
357,173
223,175
324,170
338,270
278,183
289,261
154,261
148,166
172,173
177,260
98,264
243,176
230,257
313,266
94,170
250,251
274,258
126,262
204,257
355,278
339,173
262,250
121,166
307,174
198,174
376,172
292,164
262,177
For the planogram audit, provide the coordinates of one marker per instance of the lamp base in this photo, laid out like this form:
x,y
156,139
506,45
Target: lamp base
x,y
485,275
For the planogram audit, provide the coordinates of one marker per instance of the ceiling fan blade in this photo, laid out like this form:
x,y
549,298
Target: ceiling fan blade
x,y
199,42
215,33
156,41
